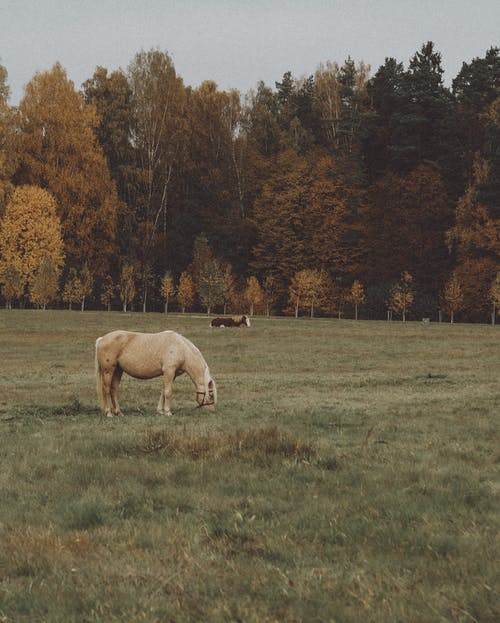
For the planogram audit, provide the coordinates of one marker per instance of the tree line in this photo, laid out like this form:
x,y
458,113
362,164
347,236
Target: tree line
x,y
343,192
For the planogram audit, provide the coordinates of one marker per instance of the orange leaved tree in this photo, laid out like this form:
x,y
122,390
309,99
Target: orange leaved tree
x,y
167,289
253,294
402,295
185,291
58,150
30,232
308,288
357,296
44,286
453,295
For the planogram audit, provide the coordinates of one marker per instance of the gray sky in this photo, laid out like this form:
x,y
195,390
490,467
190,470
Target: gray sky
x,y
237,42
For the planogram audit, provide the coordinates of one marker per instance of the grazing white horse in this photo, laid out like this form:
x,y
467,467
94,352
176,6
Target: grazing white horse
x,y
146,356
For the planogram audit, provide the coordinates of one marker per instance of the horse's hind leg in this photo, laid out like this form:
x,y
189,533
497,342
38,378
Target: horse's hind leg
x,y
106,380
115,381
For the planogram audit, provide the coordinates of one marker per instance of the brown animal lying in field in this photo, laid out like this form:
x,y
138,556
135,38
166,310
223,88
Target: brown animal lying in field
x,y
239,321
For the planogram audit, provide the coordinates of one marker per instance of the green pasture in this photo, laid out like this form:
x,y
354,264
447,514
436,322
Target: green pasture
x,y
350,473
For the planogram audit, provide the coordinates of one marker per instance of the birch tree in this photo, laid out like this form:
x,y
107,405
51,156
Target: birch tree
x,y
167,289
185,291
159,134
453,295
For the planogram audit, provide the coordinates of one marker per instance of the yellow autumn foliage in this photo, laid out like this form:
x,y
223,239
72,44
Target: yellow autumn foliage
x,y
185,291
59,151
30,232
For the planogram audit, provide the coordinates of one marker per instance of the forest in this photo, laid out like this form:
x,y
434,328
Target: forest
x,y
349,192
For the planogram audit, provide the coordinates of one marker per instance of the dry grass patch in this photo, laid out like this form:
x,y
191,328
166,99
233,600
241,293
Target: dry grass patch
x,y
259,446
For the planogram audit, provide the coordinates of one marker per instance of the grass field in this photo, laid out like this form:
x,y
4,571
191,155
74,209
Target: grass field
x,y
351,473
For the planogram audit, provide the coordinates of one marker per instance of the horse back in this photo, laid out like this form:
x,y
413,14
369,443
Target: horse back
x,y
142,355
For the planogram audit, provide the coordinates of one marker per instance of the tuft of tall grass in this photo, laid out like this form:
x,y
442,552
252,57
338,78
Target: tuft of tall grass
x,y
259,446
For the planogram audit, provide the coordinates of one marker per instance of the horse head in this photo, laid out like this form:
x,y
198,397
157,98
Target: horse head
x,y
207,398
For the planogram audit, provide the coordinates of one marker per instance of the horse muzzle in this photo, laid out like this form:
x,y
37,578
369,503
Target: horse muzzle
x,y
206,402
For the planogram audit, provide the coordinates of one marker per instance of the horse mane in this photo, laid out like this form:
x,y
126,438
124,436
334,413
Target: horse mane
x,y
209,380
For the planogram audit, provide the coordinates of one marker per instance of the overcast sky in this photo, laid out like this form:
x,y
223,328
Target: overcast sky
x,y
237,42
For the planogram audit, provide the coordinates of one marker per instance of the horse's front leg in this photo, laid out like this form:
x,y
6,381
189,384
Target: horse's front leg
x,y
166,394
115,381
106,378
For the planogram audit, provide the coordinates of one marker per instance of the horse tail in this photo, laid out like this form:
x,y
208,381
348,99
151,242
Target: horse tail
x,y
98,379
